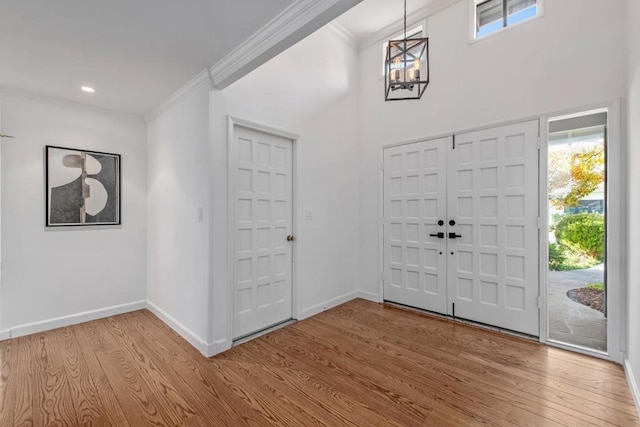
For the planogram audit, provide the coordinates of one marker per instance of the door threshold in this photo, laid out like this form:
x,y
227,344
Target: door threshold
x,y
579,349
243,339
464,321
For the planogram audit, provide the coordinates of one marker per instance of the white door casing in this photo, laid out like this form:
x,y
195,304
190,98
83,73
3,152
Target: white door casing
x,y
262,276
493,198
414,202
487,184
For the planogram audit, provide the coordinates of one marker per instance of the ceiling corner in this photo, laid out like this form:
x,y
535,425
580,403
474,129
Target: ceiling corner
x,y
299,20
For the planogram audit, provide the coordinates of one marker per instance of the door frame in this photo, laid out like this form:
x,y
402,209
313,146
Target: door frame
x,y
232,160
616,188
3,334
616,239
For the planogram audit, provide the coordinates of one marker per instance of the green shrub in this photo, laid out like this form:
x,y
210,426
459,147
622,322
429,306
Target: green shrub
x,y
556,257
584,233
563,258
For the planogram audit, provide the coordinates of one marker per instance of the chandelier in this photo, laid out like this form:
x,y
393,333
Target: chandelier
x,y
406,71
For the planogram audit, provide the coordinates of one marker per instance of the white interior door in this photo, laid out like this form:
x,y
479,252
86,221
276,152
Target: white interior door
x,y
493,199
414,202
262,283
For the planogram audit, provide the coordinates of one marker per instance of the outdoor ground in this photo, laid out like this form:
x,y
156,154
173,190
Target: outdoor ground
x,y
569,321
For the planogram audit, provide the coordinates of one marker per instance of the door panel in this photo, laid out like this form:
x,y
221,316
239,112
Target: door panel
x,y
263,220
414,202
486,191
493,198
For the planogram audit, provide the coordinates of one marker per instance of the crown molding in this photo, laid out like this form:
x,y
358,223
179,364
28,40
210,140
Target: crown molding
x,y
297,21
412,18
345,35
194,84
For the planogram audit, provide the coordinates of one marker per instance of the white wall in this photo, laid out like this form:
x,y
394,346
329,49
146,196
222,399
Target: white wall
x,y
178,186
571,58
52,273
633,117
309,90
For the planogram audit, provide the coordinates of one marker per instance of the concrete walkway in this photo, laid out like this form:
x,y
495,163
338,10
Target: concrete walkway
x,y
571,322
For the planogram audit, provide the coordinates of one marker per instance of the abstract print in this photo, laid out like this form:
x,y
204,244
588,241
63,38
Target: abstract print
x,y
83,187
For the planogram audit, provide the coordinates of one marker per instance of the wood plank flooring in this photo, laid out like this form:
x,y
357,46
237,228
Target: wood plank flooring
x,y
360,364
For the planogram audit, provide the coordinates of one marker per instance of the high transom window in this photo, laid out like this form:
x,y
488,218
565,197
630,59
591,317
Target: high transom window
x,y
494,15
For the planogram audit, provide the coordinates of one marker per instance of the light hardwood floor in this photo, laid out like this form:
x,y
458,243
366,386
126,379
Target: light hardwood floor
x,y
360,364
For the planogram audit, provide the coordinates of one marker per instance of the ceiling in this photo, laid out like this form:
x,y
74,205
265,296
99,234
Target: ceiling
x,y
370,16
136,53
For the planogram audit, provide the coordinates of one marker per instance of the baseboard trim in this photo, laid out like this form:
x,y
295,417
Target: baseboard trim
x,y
179,328
633,385
225,344
370,296
74,319
333,302
218,347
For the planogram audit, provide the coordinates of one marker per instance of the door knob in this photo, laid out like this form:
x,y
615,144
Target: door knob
x,y
454,235
290,238
440,223
438,235
452,223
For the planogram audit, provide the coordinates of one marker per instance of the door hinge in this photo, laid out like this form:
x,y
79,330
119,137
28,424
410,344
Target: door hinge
x,y
539,143
453,139
539,302
539,223
539,126
382,220
382,166
382,277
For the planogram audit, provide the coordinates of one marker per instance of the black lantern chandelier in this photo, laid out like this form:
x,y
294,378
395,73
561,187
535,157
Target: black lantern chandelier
x,y
406,71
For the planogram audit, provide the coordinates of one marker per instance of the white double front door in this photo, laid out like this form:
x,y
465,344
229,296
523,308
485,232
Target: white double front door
x,y
461,226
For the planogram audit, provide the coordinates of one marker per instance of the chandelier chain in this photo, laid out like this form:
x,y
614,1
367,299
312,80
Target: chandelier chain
x,y
405,19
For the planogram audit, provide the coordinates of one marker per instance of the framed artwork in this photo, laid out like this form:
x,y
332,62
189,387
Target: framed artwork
x,y
83,187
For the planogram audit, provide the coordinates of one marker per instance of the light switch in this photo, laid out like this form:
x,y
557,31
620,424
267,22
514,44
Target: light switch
x,y
308,214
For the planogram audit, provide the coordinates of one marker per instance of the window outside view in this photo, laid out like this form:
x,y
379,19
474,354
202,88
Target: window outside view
x,y
490,14
577,201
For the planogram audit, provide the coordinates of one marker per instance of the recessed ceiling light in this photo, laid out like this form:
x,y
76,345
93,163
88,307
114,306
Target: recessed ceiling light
x,y
88,89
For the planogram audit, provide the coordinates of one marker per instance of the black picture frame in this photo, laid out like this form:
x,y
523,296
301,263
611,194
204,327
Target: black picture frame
x,y
66,204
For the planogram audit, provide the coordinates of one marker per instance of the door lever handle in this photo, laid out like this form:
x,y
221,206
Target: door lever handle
x,y
454,235
438,235
290,238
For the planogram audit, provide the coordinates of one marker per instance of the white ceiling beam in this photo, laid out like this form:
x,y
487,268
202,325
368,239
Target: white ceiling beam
x,y
296,22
